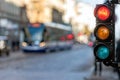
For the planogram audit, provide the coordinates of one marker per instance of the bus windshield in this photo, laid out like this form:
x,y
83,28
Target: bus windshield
x,y
36,33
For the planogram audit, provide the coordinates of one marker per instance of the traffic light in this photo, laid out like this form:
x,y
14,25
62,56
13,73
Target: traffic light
x,y
104,32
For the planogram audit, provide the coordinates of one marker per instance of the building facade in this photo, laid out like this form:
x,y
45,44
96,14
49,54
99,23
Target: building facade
x,y
12,18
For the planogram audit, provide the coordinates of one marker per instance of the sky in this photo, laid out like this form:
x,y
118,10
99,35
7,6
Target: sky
x,y
92,2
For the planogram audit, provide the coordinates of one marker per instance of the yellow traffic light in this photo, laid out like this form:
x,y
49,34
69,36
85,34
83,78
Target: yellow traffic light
x,y
103,33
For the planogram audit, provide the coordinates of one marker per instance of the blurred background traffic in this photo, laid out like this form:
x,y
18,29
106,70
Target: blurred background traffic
x,y
65,14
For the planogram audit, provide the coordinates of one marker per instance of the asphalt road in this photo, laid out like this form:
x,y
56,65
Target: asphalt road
x,y
74,64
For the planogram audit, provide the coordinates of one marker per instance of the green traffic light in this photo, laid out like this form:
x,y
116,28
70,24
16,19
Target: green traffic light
x,y
102,52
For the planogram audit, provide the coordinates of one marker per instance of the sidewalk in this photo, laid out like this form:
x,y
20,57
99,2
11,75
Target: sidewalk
x,y
13,56
107,74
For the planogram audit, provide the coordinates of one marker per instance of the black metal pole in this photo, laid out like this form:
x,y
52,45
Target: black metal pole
x,y
114,1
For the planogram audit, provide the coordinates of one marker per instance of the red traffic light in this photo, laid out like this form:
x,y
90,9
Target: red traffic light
x,y
103,12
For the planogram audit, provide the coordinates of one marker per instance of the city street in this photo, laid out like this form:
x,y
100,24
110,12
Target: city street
x,y
72,39
75,64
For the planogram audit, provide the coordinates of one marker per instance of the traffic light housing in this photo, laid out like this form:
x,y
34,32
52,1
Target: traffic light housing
x,y
104,32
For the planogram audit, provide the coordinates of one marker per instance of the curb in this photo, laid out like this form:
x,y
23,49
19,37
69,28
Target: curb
x,y
12,57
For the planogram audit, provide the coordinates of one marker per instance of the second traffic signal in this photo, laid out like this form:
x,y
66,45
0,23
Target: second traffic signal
x,y
104,50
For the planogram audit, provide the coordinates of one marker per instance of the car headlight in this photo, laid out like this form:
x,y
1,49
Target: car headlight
x,y
24,44
2,44
42,44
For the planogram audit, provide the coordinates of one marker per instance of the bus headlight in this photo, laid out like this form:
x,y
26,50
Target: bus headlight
x,y
24,44
2,44
42,44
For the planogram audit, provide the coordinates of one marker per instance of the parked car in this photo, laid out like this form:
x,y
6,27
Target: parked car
x,y
4,48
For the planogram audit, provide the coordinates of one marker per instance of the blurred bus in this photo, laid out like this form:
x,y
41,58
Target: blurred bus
x,y
41,37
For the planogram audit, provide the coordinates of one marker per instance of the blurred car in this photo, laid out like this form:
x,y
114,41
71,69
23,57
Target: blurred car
x,y
91,42
4,48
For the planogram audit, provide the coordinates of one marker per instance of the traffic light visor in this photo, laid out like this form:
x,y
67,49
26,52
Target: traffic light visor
x,y
103,13
102,52
102,32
